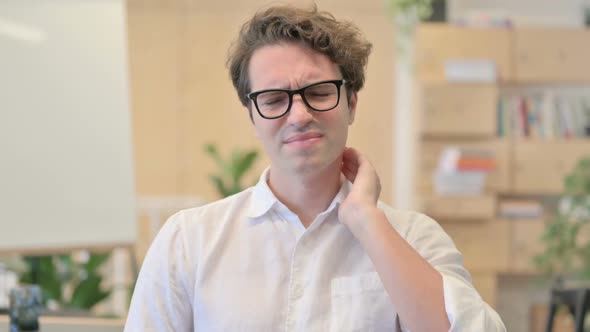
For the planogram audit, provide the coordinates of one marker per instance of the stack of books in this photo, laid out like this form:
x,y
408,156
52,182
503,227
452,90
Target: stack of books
x,y
463,171
520,209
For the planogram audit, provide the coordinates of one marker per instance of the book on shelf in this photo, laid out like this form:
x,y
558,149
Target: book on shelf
x,y
544,116
520,209
462,171
475,164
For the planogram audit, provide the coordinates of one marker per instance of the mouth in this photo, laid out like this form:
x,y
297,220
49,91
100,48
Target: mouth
x,y
302,137
303,140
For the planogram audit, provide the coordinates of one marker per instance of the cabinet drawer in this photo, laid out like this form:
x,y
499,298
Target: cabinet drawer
x,y
497,181
460,208
459,110
526,243
549,55
539,167
484,246
438,43
487,286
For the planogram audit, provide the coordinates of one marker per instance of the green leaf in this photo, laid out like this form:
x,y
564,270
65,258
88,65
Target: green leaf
x,y
88,293
228,181
212,151
245,164
27,276
219,185
95,261
66,264
67,261
584,164
569,184
423,8
42,271
235,159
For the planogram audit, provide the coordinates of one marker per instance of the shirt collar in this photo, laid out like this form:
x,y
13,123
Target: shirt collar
x,y
263,198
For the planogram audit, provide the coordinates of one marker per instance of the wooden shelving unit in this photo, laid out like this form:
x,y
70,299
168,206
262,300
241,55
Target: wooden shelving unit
x,y
465,115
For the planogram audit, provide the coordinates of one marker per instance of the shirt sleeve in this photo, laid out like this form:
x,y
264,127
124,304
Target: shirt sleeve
x,y
465,308
162,299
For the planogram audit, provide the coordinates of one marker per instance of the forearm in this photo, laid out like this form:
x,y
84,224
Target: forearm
x,y
414,286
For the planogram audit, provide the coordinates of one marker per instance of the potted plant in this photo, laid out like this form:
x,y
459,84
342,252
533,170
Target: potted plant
x,y
228,180
67,283
565,260
567,236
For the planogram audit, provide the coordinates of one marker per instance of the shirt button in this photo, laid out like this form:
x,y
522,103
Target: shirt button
x,y
297,291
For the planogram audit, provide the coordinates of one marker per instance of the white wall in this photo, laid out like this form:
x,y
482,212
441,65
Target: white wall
x,y
66,175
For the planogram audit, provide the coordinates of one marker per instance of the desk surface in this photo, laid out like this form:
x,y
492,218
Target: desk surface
x,y
72,324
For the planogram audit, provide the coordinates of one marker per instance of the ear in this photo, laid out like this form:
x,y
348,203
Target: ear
x,y
352,107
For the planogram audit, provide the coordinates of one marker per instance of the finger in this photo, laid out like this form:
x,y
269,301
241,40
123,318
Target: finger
x,y
351,168
349,175
350,158
350,153
349,172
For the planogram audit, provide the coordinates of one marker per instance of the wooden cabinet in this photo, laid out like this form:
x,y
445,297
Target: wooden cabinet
x,y
485,246
525,243
551,55
460,208
486,285
448,107
438,43
540,166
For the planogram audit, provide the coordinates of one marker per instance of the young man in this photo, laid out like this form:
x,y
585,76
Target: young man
x,y
310,247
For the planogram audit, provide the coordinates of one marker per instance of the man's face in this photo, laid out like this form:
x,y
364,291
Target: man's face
x,y
303,140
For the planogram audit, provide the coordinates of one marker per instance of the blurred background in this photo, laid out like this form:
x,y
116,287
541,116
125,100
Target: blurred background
x,y
115,114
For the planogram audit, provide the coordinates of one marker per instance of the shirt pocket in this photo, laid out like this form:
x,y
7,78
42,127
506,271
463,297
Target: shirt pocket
x,y
360,303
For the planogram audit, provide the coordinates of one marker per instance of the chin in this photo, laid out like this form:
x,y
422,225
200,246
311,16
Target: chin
x,y
310,166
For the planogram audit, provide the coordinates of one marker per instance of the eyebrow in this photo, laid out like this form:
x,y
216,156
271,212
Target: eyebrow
x,y
277,84
305,83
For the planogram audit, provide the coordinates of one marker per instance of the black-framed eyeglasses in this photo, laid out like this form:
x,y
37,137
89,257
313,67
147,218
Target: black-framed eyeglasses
x,y
320,97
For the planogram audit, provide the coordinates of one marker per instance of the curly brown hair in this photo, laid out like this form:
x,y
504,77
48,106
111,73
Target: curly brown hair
x,y
341,41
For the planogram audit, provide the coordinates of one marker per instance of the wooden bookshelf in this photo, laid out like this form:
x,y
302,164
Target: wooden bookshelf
x,y
465,115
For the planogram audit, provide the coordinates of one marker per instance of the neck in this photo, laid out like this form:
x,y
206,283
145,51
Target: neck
x,y
306,195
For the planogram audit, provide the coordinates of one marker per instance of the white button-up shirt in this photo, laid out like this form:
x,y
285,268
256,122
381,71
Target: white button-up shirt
x,y
246,263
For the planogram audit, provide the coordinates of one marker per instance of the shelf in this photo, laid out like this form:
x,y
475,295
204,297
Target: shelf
x,y
540,167
525,243
460,208
485,246
438,43
449,107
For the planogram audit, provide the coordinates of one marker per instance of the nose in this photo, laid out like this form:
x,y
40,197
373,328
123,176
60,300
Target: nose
x,y
299,114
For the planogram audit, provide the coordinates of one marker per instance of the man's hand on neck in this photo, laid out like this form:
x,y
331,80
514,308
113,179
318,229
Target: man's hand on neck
x,y
361,202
